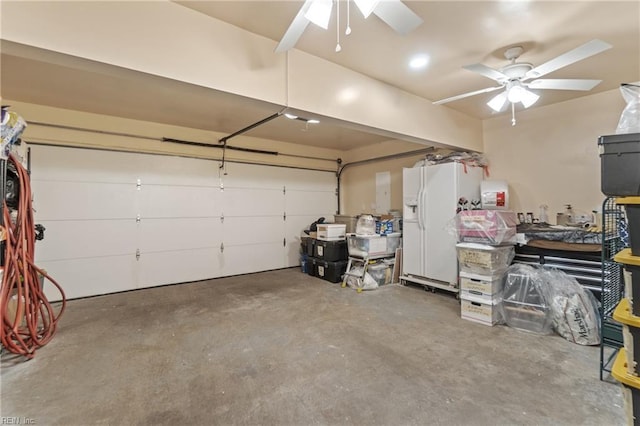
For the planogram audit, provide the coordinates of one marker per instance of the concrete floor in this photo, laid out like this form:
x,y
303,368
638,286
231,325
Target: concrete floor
x,y
285,348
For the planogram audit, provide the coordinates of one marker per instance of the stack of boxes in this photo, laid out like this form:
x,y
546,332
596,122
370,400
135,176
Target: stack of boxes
x,y
327,252
485,250
620,174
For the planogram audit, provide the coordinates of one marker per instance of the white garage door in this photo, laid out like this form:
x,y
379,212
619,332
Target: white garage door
x,y
120,221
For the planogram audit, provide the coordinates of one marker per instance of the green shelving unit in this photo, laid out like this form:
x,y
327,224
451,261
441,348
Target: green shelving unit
x,y
612,284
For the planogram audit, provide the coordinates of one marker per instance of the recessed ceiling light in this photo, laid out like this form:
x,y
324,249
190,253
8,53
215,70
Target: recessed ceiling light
x,y
291,116
418,62
313,121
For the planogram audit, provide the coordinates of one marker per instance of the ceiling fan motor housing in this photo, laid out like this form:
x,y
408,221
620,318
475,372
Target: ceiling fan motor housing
x,y
517,70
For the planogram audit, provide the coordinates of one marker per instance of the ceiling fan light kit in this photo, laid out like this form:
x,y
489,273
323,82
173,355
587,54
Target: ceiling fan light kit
x,y
514,77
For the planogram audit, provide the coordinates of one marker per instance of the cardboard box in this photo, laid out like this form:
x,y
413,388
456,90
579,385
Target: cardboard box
x,y
484,259
477,309
486,287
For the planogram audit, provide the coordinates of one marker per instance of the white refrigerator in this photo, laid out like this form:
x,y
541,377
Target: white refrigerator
x,y
430,199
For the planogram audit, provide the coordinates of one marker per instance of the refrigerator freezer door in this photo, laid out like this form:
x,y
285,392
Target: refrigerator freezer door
x,y
410,194
412,249
412,235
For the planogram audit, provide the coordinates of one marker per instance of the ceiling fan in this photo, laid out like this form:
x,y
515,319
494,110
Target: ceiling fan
x,y
393,12
515,76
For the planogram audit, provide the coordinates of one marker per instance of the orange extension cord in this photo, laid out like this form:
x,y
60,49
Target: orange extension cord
x,y
32,322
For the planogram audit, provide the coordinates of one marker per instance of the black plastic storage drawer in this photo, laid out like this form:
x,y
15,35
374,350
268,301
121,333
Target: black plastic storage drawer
x,y
311,246
620,164
330,250
311,266
330,271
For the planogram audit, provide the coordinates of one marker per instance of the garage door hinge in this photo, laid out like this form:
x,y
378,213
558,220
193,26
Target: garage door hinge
x,y
284,216
138,184
284,190
222,218
284,242
137,254
138,219
221,247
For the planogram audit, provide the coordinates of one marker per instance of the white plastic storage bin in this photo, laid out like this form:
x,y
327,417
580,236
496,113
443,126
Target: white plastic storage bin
x,y
486,287
373,245
480,310
331,231
484,259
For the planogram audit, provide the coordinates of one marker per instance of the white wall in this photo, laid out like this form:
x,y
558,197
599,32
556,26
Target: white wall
x,y
551,155
358,183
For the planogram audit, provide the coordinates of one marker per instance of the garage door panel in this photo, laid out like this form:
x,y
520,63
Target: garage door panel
x,y
178,266
179,201
81,165
83,200
252,202
89,238
244,176
91,276
167,170
252,230
179,234
300,202
252,258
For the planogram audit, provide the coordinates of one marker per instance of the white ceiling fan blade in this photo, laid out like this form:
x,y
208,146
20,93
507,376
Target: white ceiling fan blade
x,y
488,72
366,6
579,53
498,102
295,30
563,84
319,13
466,95
398,16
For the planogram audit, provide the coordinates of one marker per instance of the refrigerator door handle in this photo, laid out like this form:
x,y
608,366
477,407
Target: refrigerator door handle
x,y
420,208
423,208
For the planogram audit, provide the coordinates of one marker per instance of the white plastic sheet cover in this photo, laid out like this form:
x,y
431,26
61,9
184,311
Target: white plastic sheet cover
x,y
526,300
574,309
630,117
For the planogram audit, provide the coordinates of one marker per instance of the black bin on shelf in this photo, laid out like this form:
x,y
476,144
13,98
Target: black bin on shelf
x,y
311,246
311,266
632,267
619,160
330,250
330,271
632,210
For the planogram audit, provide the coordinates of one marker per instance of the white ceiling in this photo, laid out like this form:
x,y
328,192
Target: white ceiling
x,y
453,34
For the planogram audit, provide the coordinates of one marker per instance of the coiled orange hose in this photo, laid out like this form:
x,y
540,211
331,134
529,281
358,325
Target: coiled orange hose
x,y
35,320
